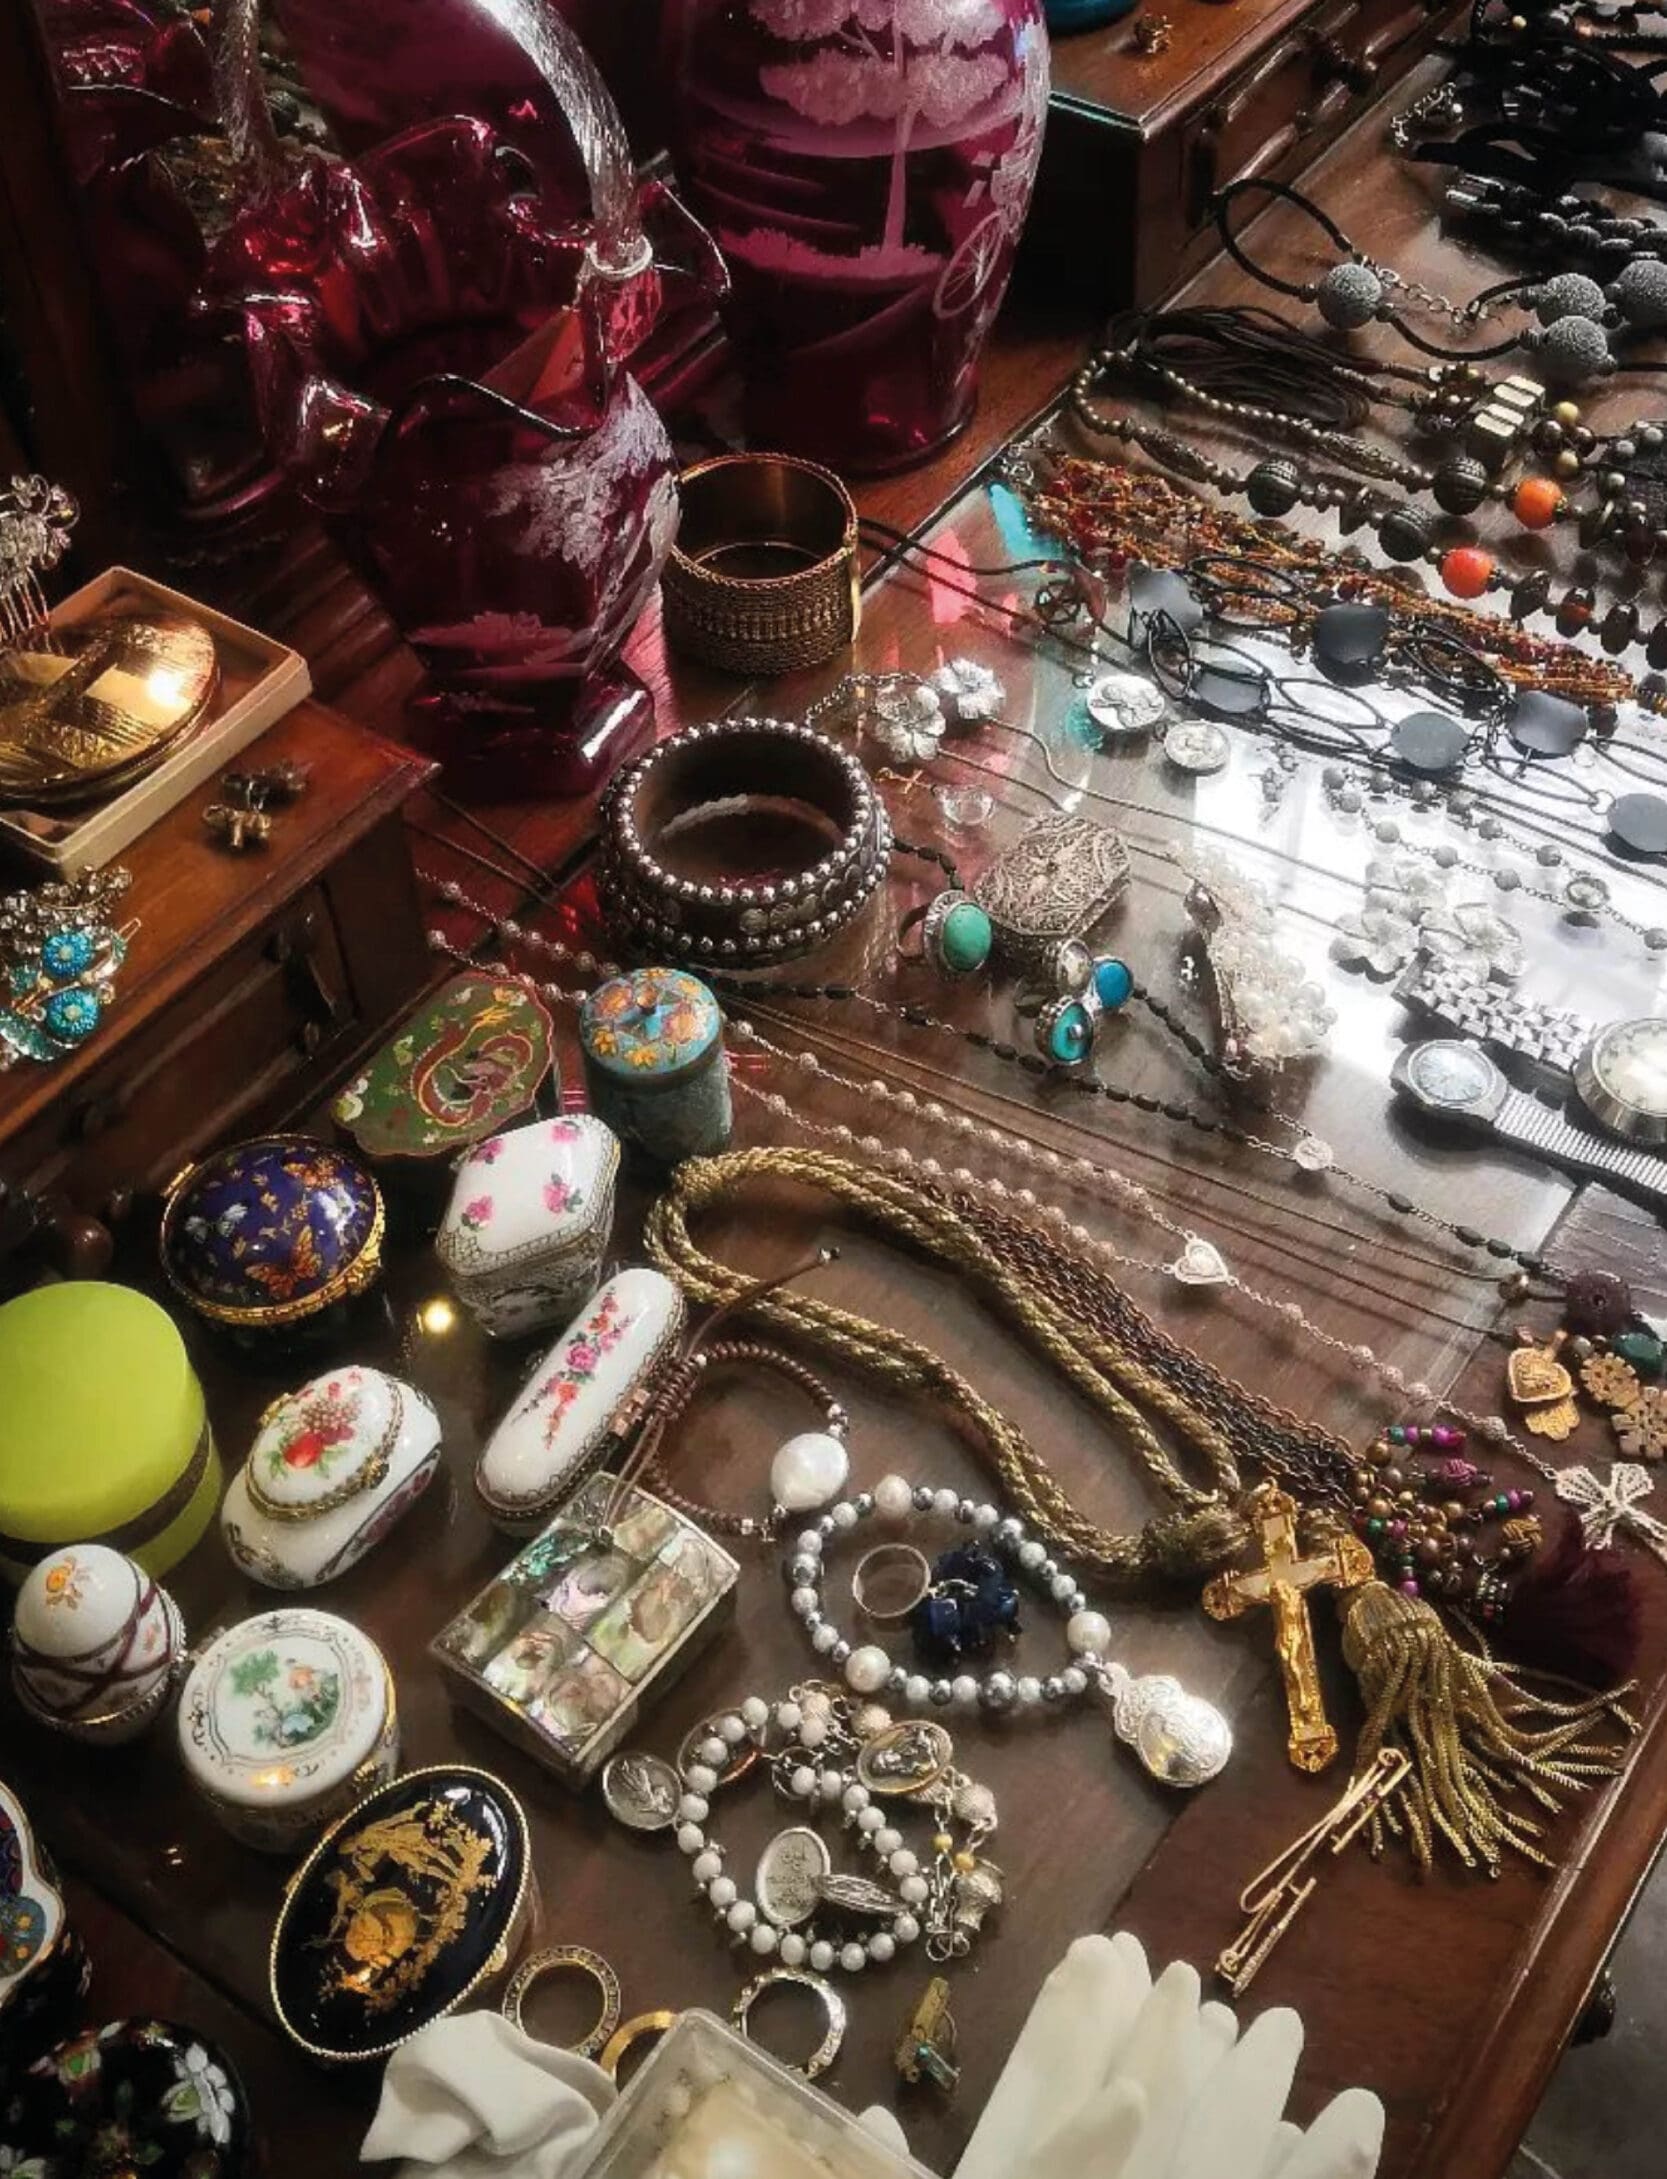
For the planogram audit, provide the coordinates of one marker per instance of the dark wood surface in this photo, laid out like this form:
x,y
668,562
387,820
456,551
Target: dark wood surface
x,y
1450,1996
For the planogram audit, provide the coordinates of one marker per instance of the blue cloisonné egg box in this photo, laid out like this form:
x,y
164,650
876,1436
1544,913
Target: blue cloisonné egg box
x,y
274,1237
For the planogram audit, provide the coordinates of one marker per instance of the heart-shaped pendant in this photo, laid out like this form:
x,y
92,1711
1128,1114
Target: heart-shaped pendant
x,y
1200,1263
1533,1377
1557,1420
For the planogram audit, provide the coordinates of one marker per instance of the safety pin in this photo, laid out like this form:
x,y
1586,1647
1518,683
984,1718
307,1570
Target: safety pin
x,y
1274,1896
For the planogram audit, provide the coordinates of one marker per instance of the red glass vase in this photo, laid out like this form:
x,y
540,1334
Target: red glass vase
x,y
865,166
439,370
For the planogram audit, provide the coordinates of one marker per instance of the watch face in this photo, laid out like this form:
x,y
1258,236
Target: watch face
x,y
1629,1063
1448,1076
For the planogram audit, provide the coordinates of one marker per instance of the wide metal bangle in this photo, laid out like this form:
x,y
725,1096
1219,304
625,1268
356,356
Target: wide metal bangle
x,y
763,578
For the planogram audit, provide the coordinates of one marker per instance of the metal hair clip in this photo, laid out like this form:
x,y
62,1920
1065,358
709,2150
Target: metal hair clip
x,y
1276,1895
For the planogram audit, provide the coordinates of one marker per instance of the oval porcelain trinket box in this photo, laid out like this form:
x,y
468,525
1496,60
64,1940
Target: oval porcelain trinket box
x,y
579,1398
104,1434
137,2096
523,1237
97,1645
408,1908
655,1065
466,1065
43,1968
272,1234
333,1467
285,1720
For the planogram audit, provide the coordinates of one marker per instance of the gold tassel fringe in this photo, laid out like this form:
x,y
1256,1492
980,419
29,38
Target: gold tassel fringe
x,y
1473,1735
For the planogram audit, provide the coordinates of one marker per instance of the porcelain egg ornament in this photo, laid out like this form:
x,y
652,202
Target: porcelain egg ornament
x,y
523,1237
581,1400
97,1644
333,1467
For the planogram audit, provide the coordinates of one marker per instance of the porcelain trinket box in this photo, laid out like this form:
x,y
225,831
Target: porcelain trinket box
x,y
285,1721
97,1645
137,2096
593,1619
467,1064
104,1435
655,1066
43,1968
524,1235
273,1235
333,1467
581,1400
411,1906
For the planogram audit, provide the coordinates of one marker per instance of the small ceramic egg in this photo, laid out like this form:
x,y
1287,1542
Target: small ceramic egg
x,y
97,1644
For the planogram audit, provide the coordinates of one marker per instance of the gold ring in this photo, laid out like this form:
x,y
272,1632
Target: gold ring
x,y
833,2010
763,578
877,1564
633,2032
575,1959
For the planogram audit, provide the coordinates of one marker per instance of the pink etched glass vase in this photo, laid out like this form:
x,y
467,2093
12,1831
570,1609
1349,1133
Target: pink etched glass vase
x,y
865,166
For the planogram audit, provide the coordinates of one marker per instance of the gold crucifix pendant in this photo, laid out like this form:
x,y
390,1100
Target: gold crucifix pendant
x,y
1282,1581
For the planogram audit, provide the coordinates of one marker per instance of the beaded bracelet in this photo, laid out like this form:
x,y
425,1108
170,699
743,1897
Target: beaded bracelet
x,y
1182,1740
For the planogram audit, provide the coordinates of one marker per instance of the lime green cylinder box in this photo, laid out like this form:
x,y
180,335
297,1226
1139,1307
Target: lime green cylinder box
x,y
104,1435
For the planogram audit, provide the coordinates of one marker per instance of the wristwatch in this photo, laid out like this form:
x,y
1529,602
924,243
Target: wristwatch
x,y
1456,1081
1621,1079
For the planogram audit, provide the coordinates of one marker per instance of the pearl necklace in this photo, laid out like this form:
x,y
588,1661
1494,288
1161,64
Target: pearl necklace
x,y
1181,1739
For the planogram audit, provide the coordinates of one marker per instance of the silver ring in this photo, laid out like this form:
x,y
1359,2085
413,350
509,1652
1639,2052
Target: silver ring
x,y
833,2010
885,1555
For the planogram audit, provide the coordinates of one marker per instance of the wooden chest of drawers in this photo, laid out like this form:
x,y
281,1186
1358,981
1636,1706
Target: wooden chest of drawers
x,y
1137,145
253,983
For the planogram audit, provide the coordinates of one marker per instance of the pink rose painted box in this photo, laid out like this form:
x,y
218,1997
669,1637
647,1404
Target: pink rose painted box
x,y
595,1618
333,1467
523,1237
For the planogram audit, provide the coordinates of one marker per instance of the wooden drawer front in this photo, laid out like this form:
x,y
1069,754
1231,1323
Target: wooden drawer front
x,y
1250,127
266,1015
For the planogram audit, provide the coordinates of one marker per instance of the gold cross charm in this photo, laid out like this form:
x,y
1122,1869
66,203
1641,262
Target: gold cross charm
x,y
1281,1581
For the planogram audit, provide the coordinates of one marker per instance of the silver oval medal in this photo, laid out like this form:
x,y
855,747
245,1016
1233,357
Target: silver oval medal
x,y
1196,745
790,1870
859,1895
641,1791
906,1758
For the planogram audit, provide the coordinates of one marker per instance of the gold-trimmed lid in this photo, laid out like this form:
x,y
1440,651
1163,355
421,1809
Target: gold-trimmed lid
x,y
98,704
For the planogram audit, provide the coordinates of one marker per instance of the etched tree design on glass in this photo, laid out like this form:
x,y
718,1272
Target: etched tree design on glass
x,y
887,75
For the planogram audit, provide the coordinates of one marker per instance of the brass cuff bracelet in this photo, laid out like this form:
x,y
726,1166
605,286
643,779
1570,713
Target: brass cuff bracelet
x,y
763,578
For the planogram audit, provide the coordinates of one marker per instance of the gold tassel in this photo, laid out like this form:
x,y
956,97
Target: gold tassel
x,y
1456,1716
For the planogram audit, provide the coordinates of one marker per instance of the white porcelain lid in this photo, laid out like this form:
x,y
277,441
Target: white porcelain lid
x,y
324,1443
283,1707
571,1397
79,1600
534,1191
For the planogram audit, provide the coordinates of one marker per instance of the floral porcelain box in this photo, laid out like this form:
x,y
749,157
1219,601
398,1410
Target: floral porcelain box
x,y
593,1620
523,1237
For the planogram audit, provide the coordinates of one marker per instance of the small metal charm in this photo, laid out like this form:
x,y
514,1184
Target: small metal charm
x,y
909,1757
926,2049
857,1895
1196,745
641,1792
1182,1739
1123,705
243,819
791,1873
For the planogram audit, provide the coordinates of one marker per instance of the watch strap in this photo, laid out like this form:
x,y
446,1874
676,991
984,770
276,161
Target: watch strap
x,y
1467,1005
1525,1120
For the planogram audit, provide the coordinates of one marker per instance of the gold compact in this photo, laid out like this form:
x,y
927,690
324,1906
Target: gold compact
x,y
97,705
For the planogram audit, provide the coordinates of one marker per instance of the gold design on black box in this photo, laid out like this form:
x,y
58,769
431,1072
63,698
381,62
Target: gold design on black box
x,y
403,1896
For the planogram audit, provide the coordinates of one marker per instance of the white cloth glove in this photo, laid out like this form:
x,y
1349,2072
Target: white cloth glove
x,y
472,2097
1115,2076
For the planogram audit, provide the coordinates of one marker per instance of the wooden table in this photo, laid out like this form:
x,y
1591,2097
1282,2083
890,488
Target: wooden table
x,y
1451,1996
